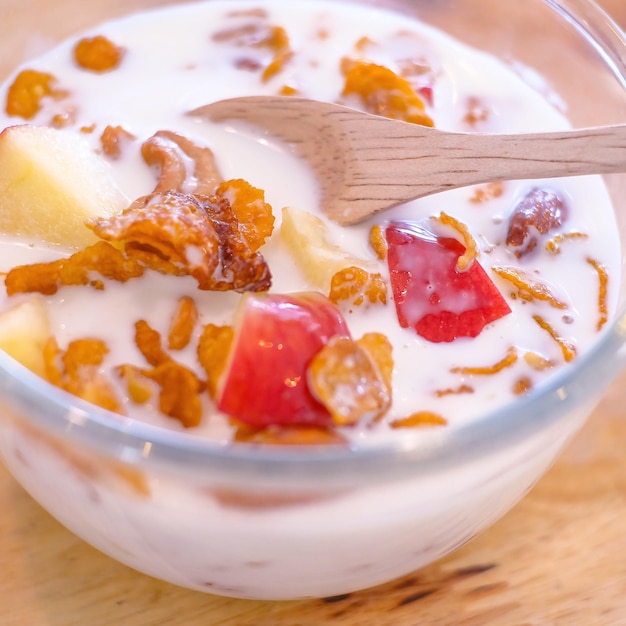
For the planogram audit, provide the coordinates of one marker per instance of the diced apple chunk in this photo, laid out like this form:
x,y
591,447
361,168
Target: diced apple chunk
x,y
24,331
307,237
50,183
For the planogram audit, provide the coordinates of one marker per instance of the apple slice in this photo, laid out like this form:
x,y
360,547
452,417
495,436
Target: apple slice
x,y
50,183
431,294
308,239
276,337
24,331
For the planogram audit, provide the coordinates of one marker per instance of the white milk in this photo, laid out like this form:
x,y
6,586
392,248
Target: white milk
x,y
158,82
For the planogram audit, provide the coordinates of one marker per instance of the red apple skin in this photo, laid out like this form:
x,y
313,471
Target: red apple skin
x,y
277,335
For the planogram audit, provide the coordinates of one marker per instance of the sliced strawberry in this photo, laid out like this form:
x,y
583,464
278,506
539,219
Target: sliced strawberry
x,y
431,295
276,338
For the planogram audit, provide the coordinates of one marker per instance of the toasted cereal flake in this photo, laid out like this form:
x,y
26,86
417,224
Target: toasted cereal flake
x,y
278,41
603,280
568,349
476,111
357,286
553,245
213,350
98,54
440,393
180,388
78,371
183,324
180,392
380,351
471,248
522,385
383,92
487,192
255,217
140,389
529,288
148,341
419,419
46,278
27,91
289,435
538,362
113,139
509,360
378,242
344,378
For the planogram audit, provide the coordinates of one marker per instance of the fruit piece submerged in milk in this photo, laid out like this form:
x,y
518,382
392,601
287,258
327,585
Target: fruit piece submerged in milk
x,y
479,292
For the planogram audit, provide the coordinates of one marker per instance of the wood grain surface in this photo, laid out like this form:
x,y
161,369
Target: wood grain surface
x,y
559,558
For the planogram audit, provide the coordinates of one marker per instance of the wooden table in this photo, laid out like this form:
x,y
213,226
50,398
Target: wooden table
x,y
559,558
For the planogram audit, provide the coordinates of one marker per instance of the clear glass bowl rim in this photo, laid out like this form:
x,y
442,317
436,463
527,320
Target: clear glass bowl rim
x,y
407,455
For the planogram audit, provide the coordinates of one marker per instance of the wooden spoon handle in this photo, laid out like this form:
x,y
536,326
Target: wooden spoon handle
x,y
448,160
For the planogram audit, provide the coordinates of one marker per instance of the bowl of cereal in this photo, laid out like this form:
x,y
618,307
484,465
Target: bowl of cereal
x,y
207,379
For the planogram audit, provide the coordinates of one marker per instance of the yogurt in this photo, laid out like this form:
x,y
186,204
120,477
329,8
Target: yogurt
x,y
213,52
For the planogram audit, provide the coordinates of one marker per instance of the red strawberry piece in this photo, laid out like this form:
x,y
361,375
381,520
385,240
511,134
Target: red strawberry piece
x,y
431,295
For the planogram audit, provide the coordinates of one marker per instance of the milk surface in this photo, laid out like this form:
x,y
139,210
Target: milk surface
x,y
174,63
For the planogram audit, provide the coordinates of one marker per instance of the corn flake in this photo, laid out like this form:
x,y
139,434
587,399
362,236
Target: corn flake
x,y
529,288
383,92
419,419
27,91
256,221
213,350
357,286
98,54
346,380
183,324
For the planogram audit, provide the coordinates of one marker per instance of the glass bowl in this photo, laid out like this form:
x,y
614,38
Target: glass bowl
x,y
281,523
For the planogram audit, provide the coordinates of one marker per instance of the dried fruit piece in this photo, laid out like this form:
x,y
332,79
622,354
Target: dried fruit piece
x,y
431,295
183,324
383,92
213,351
529,288
419,419
509,360
348,382
27,91
276,337
537,213
603,281
98,54
255,217
308,239
357,287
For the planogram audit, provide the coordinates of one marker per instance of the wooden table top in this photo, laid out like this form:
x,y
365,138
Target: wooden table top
x,y
559,558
